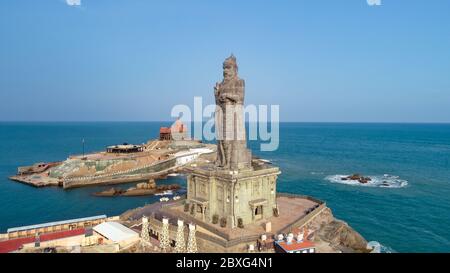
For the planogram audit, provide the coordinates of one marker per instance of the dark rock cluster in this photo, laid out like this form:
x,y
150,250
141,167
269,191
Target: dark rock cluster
x,y
357,177
140,189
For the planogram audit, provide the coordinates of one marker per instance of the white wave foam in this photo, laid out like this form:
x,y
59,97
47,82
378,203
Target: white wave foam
x,y
381,181
378,248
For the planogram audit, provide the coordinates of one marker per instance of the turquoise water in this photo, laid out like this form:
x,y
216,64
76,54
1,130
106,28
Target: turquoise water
x,y
413,217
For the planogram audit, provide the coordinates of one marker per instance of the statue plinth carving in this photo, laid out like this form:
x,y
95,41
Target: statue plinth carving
x,y
232,152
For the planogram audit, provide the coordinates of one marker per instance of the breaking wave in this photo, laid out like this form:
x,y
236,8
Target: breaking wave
x,y
379,248
381,181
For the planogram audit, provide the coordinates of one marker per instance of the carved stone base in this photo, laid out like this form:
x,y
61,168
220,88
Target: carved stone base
x,y
249,194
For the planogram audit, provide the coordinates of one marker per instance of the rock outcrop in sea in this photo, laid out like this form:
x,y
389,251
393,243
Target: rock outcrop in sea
x,y
147,188
357,177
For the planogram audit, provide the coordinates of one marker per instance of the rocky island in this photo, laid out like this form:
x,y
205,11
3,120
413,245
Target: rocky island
x,y
141,189
124,163
356,177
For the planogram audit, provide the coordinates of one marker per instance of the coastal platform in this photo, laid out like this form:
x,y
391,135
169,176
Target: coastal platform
x,y
296,211
36,180
153,160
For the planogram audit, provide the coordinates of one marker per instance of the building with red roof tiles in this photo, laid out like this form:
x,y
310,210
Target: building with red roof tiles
x,y
295,247
178,131
299,245
16,244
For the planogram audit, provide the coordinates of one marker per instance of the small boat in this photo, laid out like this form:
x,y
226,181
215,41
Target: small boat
x,y
176,197
163,199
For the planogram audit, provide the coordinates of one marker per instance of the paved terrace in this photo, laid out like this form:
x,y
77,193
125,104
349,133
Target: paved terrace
x,y
107,156
292,210
295,212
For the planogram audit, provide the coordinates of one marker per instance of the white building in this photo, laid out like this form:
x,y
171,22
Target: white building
x,y
185,157
117,233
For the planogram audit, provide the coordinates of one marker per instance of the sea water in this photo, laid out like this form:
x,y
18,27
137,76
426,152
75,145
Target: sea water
x,y
405,208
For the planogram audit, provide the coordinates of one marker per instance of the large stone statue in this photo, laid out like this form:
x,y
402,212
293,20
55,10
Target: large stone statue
x,y
231,190
232,152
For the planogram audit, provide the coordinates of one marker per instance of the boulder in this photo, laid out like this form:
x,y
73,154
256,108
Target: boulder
x,y
141,185
354,177
357,177
110,192
340,234
151,184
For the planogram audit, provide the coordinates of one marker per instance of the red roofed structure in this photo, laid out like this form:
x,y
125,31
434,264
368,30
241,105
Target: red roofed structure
x,y
295,247
177,131
165,134
300,245
16,244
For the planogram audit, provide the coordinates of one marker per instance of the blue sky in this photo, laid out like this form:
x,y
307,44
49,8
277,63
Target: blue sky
x,y
130,60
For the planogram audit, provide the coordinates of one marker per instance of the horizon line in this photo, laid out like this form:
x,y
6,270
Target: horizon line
x,y
171,121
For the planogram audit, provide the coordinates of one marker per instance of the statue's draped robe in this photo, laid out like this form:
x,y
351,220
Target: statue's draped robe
x,y
232,152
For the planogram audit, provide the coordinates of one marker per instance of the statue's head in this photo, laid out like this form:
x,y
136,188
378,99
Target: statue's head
x,y
230,68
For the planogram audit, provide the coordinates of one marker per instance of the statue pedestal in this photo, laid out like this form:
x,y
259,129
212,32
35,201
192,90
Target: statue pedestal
x,y
247,194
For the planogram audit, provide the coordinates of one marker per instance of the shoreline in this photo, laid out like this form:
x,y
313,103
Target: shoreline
x,y
331,235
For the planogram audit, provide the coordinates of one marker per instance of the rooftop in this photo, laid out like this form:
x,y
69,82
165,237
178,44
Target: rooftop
x,y
177,127
124,146
294,245
115,231
15,244
55,223
164,130
291,210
